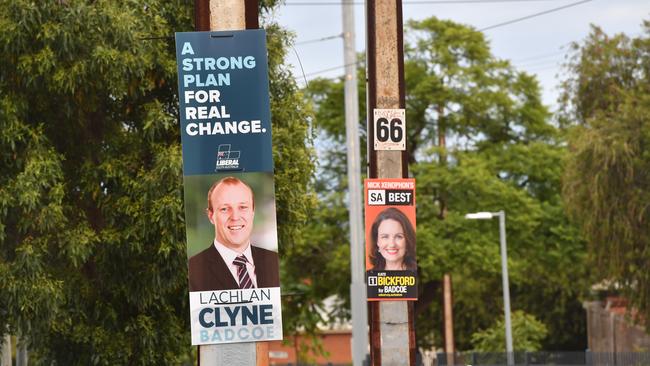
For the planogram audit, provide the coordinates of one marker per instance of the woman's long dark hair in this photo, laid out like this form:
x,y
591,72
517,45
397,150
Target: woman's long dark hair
x,y
377,260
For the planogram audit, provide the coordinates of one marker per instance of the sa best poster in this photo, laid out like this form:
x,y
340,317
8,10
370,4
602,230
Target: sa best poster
x,y
228,186
390,239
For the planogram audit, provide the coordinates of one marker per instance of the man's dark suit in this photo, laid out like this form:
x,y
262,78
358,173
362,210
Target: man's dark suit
x,y
209,272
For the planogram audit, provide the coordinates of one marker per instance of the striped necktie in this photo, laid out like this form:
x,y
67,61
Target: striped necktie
x,y
244,278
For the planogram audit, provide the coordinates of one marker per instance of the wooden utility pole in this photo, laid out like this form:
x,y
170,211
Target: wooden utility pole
x,y
224,15
392,334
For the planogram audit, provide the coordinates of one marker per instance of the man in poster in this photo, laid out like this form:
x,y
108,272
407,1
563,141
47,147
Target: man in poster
x,y
232,262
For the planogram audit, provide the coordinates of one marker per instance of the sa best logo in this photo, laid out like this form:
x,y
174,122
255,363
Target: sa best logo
x,y
390,197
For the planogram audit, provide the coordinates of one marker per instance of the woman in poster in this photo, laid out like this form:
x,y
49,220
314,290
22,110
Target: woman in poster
x,y
393,242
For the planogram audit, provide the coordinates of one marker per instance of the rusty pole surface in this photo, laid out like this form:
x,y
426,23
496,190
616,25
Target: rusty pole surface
x,y
392,334
224,15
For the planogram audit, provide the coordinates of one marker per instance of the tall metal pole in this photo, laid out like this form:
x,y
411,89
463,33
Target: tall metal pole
x,y
224,15
392,336
357,287
506,286
22,355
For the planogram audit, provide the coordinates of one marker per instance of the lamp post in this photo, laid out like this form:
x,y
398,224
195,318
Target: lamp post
x,y
504,273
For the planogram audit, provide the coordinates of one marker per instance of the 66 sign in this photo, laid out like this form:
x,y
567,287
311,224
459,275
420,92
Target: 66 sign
x,y
390,129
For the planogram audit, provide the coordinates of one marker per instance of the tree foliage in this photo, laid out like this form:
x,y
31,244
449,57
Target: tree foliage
x,y
479,139
92,242
607,181
527,335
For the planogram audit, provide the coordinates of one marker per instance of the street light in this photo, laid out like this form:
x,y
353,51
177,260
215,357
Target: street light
x,y
504,272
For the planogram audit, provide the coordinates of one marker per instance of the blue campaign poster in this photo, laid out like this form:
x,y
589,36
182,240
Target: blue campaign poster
x,y
225,115
232,249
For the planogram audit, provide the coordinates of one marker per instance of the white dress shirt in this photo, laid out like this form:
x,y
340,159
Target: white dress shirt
x,y
229,256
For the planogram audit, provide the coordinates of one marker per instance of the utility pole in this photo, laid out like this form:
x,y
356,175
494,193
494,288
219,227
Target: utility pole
x,y
224,15
504,274
22,355
357,259
5,351
506,287
449,319
392,334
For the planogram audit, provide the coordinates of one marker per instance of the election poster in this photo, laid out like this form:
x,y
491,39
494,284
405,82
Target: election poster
x,y
229,192
391,267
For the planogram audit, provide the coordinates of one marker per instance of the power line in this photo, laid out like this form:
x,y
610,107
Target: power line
x,y
301,68
533,15
326,70
544,68
543,64
320,39
539,64
430,2
524,65
539,57
528,64
448,1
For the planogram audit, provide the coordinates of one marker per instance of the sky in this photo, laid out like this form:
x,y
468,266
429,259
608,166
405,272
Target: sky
x,y
537,45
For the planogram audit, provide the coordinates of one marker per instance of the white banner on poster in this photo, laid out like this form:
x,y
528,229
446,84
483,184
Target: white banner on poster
x,y
231,316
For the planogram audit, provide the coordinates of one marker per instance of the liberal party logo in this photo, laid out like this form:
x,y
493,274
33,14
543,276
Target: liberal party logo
x,y
227,159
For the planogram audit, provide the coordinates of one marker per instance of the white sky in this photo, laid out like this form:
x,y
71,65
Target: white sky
x,y
535,45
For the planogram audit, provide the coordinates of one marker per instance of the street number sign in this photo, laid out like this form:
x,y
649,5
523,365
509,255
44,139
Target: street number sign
x,y
390,129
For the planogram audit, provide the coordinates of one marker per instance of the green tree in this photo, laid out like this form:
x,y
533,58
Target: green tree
x,y
479,139
527,335
92,242
328,230
607,182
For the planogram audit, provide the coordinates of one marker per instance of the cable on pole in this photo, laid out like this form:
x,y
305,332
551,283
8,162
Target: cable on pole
x,y
301,68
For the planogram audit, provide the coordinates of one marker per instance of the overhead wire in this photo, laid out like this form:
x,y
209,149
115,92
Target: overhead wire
x,y
320,39
425,2
540,57
544,65
516,20
533,15
329,69
544,68
301,68
538,63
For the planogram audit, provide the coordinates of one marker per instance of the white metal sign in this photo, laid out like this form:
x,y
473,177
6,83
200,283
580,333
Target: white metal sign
x,y
390,129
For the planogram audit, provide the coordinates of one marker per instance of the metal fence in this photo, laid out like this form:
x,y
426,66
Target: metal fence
x,y
548,358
